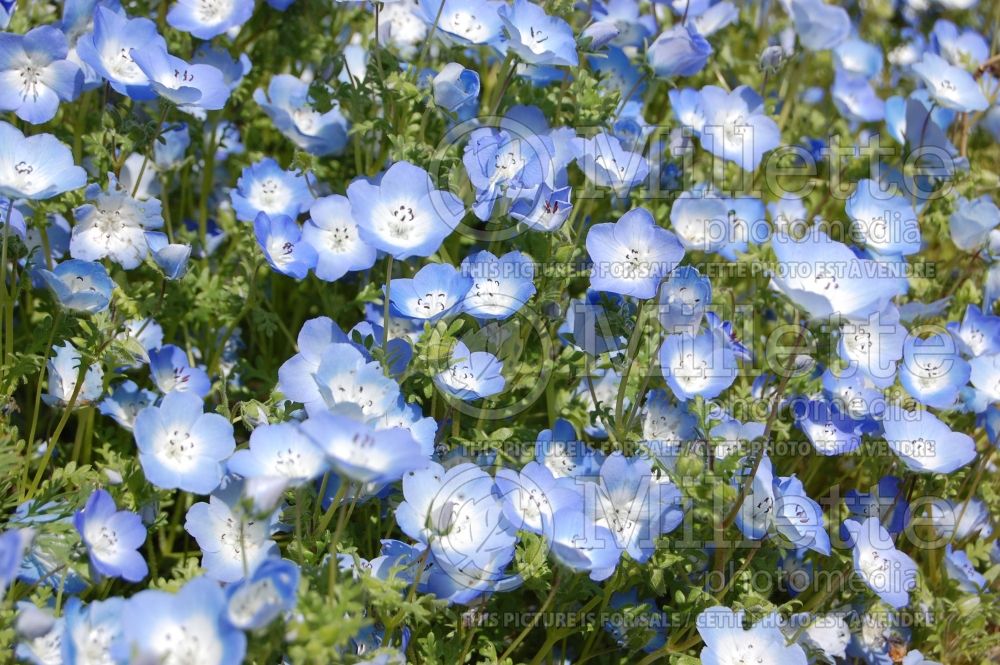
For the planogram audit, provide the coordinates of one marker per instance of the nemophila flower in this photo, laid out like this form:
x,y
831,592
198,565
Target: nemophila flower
x,y
985,375
755,518
873,346
797,517
180,447
36,167
633,255
564,454
964,49
727,643
402,26
507,162
825,277
173,373
170,258
361,453
582,546
82,287
456,89
924,443
972,221
959,521
731,436
884,221
37,75
280,239
351,385
829,427
932,370
951,87
666,426
607,163
436,291
828,634
978,334
858,57
205,19
93,632
533,496
635,504
112,537
108,49
281,451
537,38
679,51
265,187
684,297
193,88
855,98
63,373
500,286
960,569
401,213
603,385
7,8
546,211
882,501
737,128
891,574
233,70
288,104
471,375
701,365
41,635
169,150
114,226
13,543
819,26
125,402
587,328
270,590
464,23
686,105
187,627
233,541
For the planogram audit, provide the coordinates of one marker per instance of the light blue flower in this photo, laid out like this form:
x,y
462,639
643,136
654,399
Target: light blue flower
x,y
950,86
972,221
932,370
265,187
960,569
169,150
819,26
180,447
546,211
633,255
436,291
233,70
607,163
63,370
7,8
108,49
280,239
125,402
797,517
471,375
683,298
280,451
464,22
978,334
755,517
855,98
205,19
172,372
873,346
171,258
295,376
883,501
41,635
985,375
193,88
829,428
533,496
737,128
632,26
37,75
13,543
288,105
565,454
332,232
924,443
727,642
537,38
350,384
583,546
114,226
679,51
270,590
858,57
891,574
83,287
456,90
36,167
112,537
701,365
509,162
500,286
93,632
885,222
401,213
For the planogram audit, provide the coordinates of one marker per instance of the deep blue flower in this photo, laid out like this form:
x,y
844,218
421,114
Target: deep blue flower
x,y
829,429
882,501
456,90
13,543
112,537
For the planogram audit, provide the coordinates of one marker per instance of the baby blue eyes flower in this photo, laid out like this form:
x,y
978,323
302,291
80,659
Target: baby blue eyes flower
x,y
858,57
978,334
265,187
172,372
180,447
401,213
170,258
205,19
701,365
829,429
36,167
960,569
13,544
507,162
83,287
891,574
464,22
108,49
112,537
93,632
737,128
855,98
727,643
192,88
932,371
456,89
500,286
564,454
924,443
546,211
290,109
187,627
886,223
972,221
361,453
950,86
679,51
125,402
819,26
607,163
114,226
270,590
582,546
632,256
472,375
279,451
985,375
37,74
436,291
332,232
532,497
684,297
536,37
63,371
280,238
966,49
7,8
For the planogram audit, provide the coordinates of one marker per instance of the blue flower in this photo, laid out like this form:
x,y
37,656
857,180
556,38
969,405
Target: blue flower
x,y
233,70
471,375
565,454
702,220
536,37
170,148
978,334
507,162
924,443
500,286
108,50
950,86
883,501
162,627
112,537
546,211
960,569
697,365
332,232
964,49
581,545
265,187
401,213
349,383
290,109
232,540
873,346
83,287
13,543
205,20
271,589
891,574
125,402
361,453
280,451
280,238
797,517
858,57
171,258
666,426
93,632
37,74
606,163
737,128
464,22
7,8
436,291
41,635
532,497
63,369
114,226
456,90
180,447
679,51
295,376
932,371
731,436
971,222
727,642
829,429
855,98
885,223
985,375
818,25
36,167
171,371
633,255
192,88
